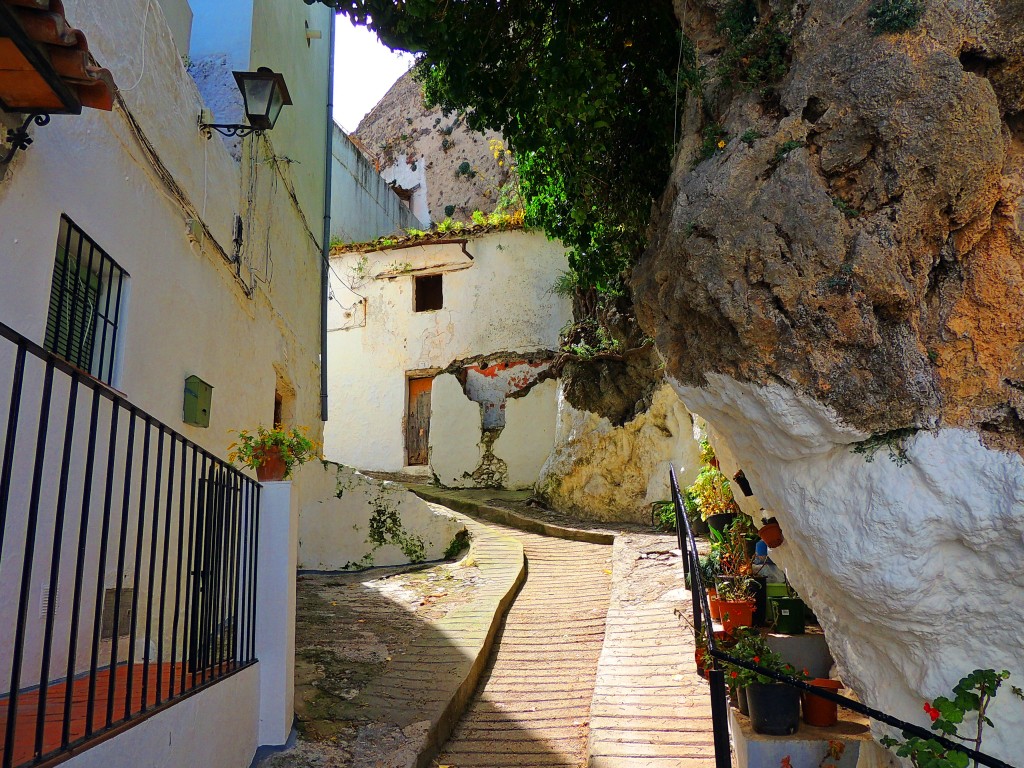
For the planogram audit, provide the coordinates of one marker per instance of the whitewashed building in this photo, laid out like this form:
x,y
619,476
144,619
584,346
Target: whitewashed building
x,y
437,350
159,286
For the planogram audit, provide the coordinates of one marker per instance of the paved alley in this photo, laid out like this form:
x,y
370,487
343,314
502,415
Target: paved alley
x,y
533,704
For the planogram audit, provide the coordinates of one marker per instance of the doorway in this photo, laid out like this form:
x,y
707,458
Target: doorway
x,y
417,420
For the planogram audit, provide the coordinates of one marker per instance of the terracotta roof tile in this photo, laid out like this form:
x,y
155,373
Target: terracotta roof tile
x,y
64,50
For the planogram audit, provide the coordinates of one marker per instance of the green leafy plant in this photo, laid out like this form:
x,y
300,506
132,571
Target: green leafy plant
x,y
891,441
591,125
711,492
750,136
757,50
971,698
714,139
663,514
250,449
895,16
753,648
785,148
845,208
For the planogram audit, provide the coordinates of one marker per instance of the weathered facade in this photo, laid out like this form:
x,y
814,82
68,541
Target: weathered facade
x,y
475,307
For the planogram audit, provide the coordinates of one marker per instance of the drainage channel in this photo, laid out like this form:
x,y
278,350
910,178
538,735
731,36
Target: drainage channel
x,y
532,707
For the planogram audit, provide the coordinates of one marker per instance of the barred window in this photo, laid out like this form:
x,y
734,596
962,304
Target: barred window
x,y
86,296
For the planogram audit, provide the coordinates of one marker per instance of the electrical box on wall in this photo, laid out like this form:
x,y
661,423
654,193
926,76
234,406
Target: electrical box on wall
x,y
198,402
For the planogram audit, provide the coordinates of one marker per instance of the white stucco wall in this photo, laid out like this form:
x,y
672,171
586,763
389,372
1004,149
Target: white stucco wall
x,y
529,434
342,508
914,570
188,311
216,727
500,300
363,206
456,433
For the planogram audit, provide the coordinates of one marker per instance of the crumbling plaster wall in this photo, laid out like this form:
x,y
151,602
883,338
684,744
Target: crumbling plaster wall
x,y
466,453
349,520
865,280
498,301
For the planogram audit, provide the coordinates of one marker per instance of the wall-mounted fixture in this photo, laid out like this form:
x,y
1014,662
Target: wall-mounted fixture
x,y
265,95
45,69
198,402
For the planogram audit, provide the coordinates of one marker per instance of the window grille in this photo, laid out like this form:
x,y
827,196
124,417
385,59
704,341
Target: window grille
x,y
85,303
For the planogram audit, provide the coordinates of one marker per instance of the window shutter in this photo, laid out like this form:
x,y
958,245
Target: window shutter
x,y
74,291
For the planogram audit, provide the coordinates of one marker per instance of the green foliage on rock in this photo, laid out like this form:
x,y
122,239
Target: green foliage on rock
x,y
895,16
757,51
583,90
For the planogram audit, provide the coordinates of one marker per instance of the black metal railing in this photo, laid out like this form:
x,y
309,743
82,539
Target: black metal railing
x,y
716,656
127,559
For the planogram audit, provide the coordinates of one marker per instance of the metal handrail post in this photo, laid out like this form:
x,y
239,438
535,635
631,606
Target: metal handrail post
x,y
720,719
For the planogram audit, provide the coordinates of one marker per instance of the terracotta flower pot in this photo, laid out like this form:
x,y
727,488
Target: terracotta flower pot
x,y
737,613
771,534
714,604
272,467
819,711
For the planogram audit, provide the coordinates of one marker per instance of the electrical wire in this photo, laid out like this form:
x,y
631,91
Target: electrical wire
x,y
142,72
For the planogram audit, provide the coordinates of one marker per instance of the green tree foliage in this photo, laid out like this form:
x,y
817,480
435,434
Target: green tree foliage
x,y
583,90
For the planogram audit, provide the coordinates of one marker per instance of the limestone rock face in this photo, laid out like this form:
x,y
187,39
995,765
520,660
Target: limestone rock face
x,y
416,146
864,243
600,471
851,263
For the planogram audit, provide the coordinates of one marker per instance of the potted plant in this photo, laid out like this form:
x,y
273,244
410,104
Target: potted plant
x,y
771,532
774,706
272,452
818,711
751,647
736,598
713,497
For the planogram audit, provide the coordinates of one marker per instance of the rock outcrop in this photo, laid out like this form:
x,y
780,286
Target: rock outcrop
x,y
599,470
413,146
834,283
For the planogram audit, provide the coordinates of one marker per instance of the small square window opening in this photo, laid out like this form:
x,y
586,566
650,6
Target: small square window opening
x,y
429,293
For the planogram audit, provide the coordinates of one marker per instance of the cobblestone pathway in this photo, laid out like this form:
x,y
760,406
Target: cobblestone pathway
x,y
533,704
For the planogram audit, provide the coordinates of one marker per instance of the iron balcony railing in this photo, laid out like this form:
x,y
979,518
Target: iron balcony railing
x,y
127,559
716,676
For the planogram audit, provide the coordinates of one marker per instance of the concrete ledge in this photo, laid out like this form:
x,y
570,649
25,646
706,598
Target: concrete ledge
x,y
806,748
504,516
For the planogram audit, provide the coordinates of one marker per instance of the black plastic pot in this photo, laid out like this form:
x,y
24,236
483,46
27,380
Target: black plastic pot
x,y
720,521
760,601
774,708
741,700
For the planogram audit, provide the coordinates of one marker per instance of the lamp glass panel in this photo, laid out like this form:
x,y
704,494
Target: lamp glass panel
x,y
259,94
276,105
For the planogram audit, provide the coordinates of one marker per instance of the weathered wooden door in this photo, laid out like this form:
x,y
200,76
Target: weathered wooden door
x,y
417,420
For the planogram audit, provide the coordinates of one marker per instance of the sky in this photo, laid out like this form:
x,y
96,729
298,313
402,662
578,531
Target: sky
x,y
364,71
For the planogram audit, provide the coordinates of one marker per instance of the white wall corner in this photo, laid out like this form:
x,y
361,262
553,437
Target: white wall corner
x,y
275,610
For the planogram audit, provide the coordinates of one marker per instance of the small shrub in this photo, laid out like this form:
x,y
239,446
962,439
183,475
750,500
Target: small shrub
x,y
750,136
449,211
757,50
785,148
714,140
465,169
895,16
845,208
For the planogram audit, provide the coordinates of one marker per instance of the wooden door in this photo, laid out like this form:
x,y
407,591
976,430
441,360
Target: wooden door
x,y
417,420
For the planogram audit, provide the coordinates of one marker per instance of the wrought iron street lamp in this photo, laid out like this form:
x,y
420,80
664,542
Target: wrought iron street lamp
x,y
264,94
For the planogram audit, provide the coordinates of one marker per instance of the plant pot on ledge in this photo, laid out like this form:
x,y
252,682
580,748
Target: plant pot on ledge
x,y
774,708
819,711
272,466
736,614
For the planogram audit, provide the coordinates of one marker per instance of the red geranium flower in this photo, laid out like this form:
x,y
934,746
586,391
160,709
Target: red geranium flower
x,y
933,713
734,674
757,659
